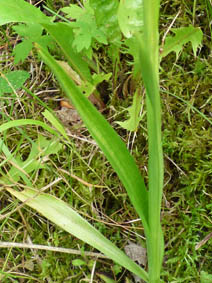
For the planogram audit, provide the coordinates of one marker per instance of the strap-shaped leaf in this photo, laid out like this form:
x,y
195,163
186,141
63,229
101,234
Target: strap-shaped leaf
x,y
148,44
108,140
65,217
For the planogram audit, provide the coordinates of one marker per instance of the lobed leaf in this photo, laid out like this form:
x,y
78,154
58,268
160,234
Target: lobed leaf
x,y
22,50
31,32
84,27
182,36
131,124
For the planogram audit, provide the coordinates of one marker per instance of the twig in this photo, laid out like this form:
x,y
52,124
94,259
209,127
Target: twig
x,y
47,248
201,243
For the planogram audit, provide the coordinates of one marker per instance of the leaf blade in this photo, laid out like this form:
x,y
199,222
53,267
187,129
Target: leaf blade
x,y
65,217
104,134
20,11
182,36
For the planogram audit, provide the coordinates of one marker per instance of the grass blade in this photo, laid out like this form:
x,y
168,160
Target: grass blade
x,y
24,122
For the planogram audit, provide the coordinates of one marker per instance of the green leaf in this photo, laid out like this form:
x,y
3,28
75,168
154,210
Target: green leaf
x,y
106,18
85,27
103,133
20,172
32,32
63,34
149,62
132,123
20,11
88,88
12,80
24,122
48,147
41,148
117,269
22,50
65,217
130,17
98,78
83,37
182,36
73,11
55,122
134,50
16,171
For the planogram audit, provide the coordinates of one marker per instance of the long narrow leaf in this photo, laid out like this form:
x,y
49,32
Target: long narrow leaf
x,y
107,139
150,73
14,124
25,122
65,217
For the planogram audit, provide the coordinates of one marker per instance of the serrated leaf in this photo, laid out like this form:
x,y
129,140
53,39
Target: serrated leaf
x,y
83,38
30,30
131,124
46,41
87,30
182,36
22,50
130,17
73,11
85,27
21,11
98,78
30,33
15,78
